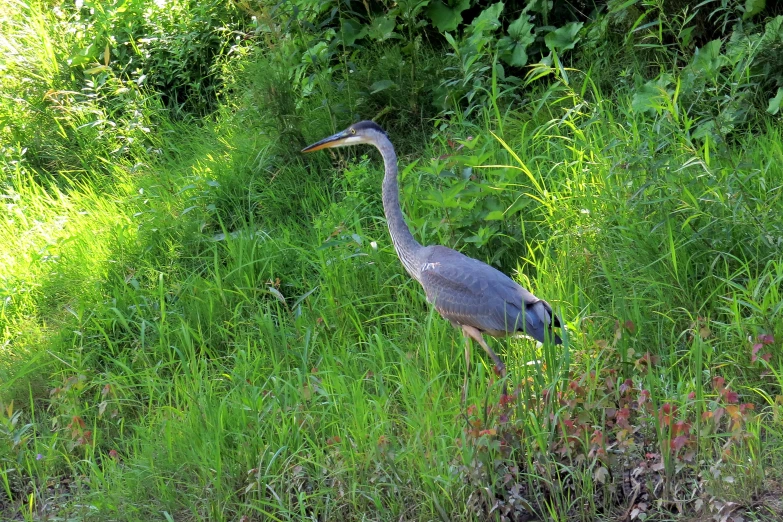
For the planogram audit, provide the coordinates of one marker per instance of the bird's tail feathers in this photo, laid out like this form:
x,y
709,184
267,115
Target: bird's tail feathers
x,y
546,320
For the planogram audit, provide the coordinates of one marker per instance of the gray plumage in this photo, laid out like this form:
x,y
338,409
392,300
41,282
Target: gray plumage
x,y
468,293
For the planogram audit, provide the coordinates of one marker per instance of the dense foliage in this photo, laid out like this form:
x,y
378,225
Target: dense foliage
x,y
200,323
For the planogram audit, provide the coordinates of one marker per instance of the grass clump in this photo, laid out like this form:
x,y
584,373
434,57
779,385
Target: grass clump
x,y
199,323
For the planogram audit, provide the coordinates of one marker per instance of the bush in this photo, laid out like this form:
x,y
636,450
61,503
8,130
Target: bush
x,y
174,47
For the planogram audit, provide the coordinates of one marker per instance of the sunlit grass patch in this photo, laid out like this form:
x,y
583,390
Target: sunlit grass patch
x,y
198,323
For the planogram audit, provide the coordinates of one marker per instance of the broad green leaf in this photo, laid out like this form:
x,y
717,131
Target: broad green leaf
x,y
539,6
382,28
774,103
351,30
753,7
447,17
79,59
316,54
450,39
652,94
514,46
773,30
381,85
564,38
488,19
704,129
644,100
708,60
97,69
495,215
518,56
686,36
521,29
409,9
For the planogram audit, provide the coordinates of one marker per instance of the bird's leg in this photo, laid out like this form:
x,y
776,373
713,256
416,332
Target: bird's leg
x,y
473,333
467,369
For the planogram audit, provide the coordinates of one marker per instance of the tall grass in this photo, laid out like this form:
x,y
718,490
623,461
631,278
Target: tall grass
x,y
206,325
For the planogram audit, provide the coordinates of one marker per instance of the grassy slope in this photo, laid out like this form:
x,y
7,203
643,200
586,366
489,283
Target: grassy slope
x,y
213,335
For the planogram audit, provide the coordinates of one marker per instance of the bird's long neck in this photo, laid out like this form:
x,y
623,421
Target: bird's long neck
x,y
404,243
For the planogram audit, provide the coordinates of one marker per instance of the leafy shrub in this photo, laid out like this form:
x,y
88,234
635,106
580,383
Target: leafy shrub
x,y
328,41
723,85
174,47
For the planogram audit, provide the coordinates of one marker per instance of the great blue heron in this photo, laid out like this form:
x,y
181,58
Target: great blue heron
x,y
470,294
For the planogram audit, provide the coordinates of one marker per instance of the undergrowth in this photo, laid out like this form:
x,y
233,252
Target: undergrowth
x,y
199,323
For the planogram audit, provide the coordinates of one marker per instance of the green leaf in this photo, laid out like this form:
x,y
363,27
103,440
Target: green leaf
x,y
521,29
316,54
80,59
520,37
708,60
651,96
753,7
519,56
447,17
351,30
773,31
451,41
564,38
409,9
97,69
614,9
539,6
381,85
382,28
704,129
488,19
774,103
644,100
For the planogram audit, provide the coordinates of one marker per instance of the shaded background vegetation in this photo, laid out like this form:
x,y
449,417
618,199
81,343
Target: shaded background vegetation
x,y
199,323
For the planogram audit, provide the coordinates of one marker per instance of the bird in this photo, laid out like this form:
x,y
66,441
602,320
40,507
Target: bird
x,y
471,295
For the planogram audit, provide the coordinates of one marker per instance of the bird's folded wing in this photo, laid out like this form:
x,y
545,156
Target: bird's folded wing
x,y
470,292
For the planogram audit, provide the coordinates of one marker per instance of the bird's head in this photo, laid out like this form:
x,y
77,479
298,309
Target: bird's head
x,y
362,132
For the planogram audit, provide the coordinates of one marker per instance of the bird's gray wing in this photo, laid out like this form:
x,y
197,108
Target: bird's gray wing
x,y
467,291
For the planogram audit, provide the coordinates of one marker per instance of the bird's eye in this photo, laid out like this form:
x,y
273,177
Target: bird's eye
x,y
353,131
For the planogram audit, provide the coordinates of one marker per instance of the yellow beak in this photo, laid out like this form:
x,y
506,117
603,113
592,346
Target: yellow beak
x,y
335,140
